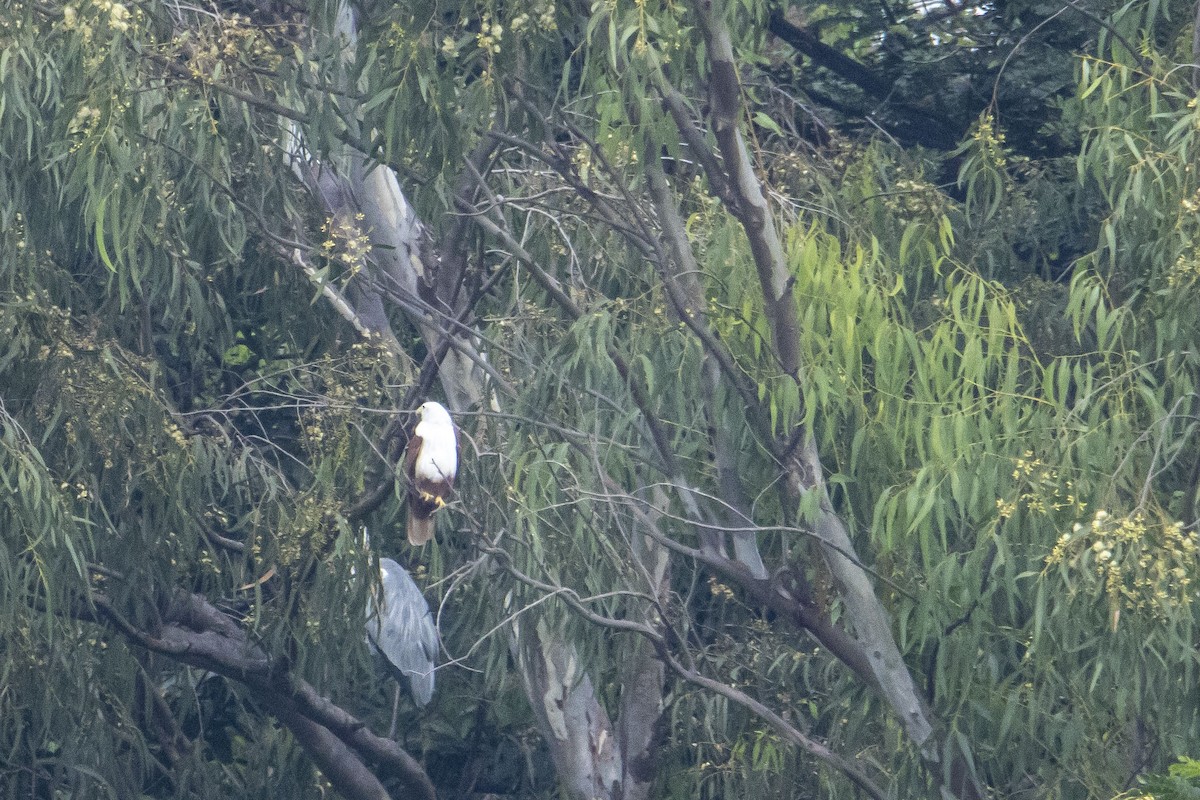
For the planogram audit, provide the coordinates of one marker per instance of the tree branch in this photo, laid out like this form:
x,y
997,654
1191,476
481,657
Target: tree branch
x,y
802,466
196,633
751,207
683,287
831,59
661,644
927,130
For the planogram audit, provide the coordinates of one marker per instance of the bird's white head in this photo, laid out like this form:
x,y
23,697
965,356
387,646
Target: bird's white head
x,y
434,413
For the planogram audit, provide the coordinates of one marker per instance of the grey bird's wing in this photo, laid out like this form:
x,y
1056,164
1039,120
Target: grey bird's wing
x,y
402,629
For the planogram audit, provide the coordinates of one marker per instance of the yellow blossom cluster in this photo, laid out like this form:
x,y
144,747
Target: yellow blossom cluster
x,y
793,173
18,232
991,143
346,242
177,435
309,531
95,392
79,489
396,36
85,120
621,153
718,589
541,17
914,198
90,15
1186,269
118,14
231,41
1042,491
1141,563
330,427
1191,205
489,35
90,122
83,125
581,159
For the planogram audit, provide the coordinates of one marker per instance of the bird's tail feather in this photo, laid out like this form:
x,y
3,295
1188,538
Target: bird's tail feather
x,y
420,531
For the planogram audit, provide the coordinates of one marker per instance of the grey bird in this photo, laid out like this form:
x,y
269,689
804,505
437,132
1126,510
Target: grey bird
x,y
401,629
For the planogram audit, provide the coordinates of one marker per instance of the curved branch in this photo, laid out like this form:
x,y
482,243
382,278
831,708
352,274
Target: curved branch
x,y
771,593
336,761
927,129
196,633
831,59
781,726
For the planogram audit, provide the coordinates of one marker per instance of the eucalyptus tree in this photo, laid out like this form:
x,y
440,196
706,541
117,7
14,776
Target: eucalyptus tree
x,y
766,486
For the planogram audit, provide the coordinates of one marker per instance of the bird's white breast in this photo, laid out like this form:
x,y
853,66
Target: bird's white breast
x,y
437,460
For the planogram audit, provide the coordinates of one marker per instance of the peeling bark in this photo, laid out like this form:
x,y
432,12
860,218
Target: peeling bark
x,y
571,719
595,758
640,722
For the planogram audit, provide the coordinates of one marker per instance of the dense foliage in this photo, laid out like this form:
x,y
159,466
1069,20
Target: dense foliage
x,y
933,337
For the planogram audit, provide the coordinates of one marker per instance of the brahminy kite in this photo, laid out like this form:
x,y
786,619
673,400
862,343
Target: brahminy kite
x,y
430,465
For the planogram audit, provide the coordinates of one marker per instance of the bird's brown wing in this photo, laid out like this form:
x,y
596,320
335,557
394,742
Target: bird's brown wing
x,y
424,496
420,508
410,457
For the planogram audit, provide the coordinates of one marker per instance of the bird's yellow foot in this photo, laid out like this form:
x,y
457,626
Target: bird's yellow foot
x,y
433,498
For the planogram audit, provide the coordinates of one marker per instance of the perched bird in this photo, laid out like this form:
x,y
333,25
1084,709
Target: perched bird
x,y
400,628
430,464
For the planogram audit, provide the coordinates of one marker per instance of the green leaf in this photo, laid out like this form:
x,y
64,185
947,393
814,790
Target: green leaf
x,y
101,246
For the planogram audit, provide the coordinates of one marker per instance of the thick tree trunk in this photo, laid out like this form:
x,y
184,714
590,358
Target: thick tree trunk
x,y
570,718
639,724
597,759
868,618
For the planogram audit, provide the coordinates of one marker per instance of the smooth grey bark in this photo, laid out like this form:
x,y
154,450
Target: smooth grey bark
x,y
573,723
643,673
766,593
639,722
804,472
595,757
